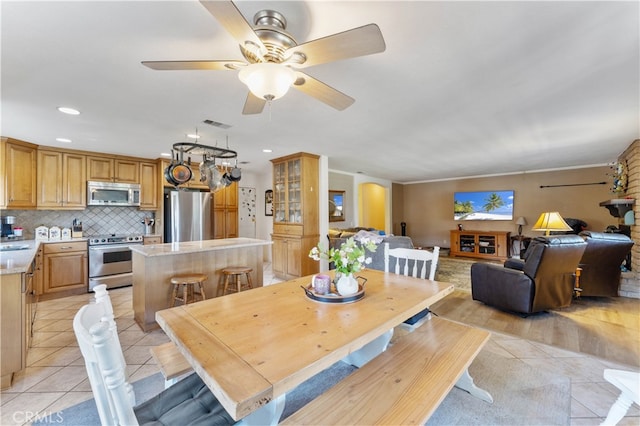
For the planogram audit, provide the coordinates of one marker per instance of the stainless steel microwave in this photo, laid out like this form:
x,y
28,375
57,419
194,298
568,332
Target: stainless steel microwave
x,y
113,194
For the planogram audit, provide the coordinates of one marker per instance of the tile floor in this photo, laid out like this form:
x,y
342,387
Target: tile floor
x,y
56,377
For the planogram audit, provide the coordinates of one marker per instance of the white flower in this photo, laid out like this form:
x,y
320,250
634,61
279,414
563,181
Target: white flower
x,y
349,258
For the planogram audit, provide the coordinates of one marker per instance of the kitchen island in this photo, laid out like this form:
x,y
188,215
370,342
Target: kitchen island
x,y
154,265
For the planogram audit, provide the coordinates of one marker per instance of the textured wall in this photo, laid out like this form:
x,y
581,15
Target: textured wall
x,y
631,281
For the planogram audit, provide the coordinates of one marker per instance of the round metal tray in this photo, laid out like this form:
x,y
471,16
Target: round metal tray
x,y
333,296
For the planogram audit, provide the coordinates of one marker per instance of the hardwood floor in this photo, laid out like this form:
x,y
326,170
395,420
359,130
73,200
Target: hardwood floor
x,y
608,328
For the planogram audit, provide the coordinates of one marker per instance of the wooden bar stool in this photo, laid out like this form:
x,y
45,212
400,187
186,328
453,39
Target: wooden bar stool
x,y
232,279
188,283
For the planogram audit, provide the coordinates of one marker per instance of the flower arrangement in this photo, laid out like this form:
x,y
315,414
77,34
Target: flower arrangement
x,y
349,258
619,177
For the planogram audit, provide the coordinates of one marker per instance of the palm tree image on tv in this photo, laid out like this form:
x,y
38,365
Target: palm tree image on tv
x,y
483,205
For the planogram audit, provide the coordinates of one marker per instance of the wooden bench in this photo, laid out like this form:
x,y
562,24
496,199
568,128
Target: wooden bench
x,y
171,362
406,383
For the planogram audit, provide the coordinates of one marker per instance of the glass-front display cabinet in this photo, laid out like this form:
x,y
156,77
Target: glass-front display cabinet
x,y
295,214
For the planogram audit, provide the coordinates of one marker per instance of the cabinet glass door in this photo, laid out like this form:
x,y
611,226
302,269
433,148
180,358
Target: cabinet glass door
x,y
294,192
279,193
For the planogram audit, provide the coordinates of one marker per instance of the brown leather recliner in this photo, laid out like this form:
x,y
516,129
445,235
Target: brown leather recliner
x,y
545,282
601,262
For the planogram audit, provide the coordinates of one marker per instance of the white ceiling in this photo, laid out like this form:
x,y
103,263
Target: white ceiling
x,y
463,88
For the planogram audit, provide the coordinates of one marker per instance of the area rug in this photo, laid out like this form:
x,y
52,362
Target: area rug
x,y
456,271
521,394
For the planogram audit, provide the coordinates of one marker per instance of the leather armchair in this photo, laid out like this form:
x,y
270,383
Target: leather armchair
x,y
601,262
546,280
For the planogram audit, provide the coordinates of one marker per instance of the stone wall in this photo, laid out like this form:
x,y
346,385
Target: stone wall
x,y
630,285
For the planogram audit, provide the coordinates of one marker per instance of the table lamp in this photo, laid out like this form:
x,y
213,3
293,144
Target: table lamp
x,y
551,221
521,221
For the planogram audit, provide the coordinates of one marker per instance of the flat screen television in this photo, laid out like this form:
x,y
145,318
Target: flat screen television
x,y
483,205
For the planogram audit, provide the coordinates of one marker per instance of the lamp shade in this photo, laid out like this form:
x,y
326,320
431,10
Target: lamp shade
x,y
267,80
551,221
521,221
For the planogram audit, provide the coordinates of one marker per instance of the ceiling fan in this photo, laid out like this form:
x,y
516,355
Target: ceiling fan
x,y
273,58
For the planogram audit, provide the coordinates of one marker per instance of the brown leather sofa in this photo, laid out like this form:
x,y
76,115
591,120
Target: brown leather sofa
x,y
600,263
546,280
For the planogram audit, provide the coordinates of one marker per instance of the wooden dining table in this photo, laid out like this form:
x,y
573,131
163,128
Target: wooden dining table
x,y
253,347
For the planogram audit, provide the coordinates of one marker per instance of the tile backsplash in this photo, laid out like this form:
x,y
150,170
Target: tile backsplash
x,y
96,220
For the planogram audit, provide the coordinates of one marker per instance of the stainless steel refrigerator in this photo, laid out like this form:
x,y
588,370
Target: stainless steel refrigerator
x,y
187,216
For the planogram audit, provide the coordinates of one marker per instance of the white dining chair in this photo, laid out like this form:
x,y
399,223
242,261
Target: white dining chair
x,y
414,263
408,262
628,382
187,402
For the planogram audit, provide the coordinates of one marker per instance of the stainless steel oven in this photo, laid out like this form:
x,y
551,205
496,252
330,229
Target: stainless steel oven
x,y
110,260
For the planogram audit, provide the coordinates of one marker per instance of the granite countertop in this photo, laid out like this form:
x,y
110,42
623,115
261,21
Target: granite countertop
x,y
196,246
19,261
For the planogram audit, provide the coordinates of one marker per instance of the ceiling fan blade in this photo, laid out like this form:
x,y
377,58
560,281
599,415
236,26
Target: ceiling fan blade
x,y
193,65
322,92
232,20
253,104
359,41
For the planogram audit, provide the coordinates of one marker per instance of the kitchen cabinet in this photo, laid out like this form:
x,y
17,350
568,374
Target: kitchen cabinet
x,y
480,244
61,180
18,168
113,169
148,185
151,239
295,214
225,212
286,255
17,313
65,269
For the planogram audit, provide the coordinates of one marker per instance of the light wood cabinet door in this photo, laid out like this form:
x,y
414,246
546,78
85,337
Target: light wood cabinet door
x,y
49,179
113,170
225,216
100,168
126,171
148,186
74,180
20,177
62,179
65,267
279,256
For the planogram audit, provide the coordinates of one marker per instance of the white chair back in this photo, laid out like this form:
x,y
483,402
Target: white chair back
x,y
420,259
97,337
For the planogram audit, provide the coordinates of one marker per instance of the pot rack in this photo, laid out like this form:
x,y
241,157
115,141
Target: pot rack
x,y
207,152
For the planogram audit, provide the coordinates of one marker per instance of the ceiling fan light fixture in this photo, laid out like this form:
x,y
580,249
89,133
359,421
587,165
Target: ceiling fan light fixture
x,y
267,80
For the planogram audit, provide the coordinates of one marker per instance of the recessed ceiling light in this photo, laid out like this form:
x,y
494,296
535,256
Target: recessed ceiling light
x,y
267,150
193,136
165,154
70,111
64,140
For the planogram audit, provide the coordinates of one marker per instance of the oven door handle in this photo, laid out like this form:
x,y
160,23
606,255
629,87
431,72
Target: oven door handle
x,y
110,249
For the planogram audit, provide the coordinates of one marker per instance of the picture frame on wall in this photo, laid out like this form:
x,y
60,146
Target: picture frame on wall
x,y
268,202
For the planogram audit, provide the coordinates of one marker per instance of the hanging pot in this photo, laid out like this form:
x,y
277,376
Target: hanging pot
x,y
235,174
181,173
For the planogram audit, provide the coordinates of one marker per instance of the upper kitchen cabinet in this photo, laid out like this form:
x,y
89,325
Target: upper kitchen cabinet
x,y
295,214
62,177
148,185
18,169
113,169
